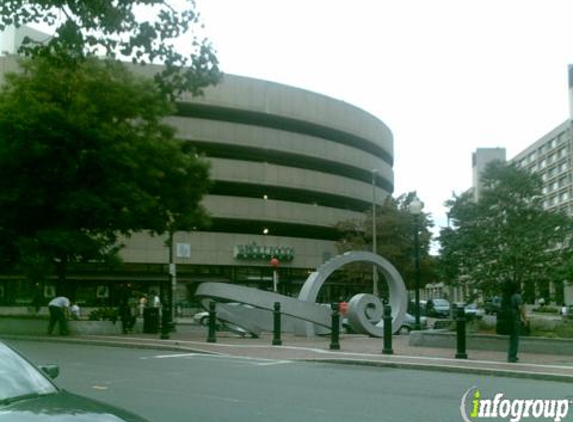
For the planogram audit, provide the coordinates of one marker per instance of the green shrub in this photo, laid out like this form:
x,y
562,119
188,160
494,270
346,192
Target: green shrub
x,y
21,316
104,314
546,310
559,331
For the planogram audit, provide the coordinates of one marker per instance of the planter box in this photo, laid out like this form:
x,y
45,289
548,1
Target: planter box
x,y
32,326
95,327
436,338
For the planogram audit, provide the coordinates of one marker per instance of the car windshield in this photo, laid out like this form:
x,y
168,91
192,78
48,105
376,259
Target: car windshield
x,y
20,378
441,302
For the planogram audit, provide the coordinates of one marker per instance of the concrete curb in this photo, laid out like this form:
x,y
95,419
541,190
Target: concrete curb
x,y
498,372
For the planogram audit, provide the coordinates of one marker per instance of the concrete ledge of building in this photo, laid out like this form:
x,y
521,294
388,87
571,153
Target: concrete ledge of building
x,y
39,326
447,339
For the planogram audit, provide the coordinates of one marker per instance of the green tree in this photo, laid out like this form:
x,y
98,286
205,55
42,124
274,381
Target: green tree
x,y
395,230
85,157
506,234
141,31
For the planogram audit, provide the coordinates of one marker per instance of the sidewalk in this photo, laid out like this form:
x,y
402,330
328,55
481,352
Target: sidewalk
x,y
354,349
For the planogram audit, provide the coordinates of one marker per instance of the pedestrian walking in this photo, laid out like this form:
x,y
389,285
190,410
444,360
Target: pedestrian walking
x,y
155,302
512,303
127,311
152,314
58,308
141,305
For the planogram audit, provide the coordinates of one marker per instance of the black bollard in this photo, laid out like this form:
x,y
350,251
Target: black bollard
x,y
461,334
387,317
277,325
211,338
335,332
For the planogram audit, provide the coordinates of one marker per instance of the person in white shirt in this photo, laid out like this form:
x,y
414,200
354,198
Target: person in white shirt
x,y
58,308
155,301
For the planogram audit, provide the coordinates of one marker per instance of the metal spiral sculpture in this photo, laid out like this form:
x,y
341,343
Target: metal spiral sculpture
x,y
303,315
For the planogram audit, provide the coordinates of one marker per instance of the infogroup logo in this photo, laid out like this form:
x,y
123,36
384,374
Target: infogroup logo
x,y
474,407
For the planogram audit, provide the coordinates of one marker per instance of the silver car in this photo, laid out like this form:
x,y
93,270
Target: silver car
x,y
408,324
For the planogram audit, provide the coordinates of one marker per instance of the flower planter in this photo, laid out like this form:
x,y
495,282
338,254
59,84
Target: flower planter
x,y
39,326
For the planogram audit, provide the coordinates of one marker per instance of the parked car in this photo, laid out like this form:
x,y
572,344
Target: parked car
x,y
412,307
27,393
472,311
202,318
408,324
492,305
439,308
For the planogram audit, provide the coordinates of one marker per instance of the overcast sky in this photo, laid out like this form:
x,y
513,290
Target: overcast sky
x,y
447,76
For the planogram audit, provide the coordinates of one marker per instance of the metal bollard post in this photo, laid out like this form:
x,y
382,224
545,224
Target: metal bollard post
x,y
211,338
461,334
387,317
277,325
335,332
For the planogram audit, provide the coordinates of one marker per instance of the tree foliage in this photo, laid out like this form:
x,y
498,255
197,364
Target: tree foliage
x,y
85,157
506,234
143,31
395,231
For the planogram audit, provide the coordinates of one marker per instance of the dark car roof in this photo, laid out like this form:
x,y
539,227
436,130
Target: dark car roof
x,y
64,407
57,405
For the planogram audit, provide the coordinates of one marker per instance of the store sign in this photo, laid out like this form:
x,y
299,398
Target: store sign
x,y
183,250
254,251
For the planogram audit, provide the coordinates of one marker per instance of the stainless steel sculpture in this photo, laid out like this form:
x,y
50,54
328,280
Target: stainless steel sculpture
x,y
303,315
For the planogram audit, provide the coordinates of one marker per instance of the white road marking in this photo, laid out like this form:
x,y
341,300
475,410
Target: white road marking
x,y
175,355
249,360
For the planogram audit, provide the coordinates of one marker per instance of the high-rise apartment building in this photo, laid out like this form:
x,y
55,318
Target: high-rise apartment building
x,y
550,157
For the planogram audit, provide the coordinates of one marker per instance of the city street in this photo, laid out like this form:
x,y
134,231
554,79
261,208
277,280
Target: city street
x,y
180,387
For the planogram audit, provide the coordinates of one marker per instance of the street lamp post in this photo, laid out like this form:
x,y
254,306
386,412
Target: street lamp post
x,y
415,209
374,246
167,312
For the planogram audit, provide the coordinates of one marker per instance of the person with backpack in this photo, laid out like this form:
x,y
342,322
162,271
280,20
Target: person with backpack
x,y
511,317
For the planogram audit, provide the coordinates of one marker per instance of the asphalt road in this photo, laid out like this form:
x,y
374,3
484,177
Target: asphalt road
x,y
179,387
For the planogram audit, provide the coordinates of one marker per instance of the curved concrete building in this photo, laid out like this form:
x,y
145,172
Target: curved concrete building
x,y
287,165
